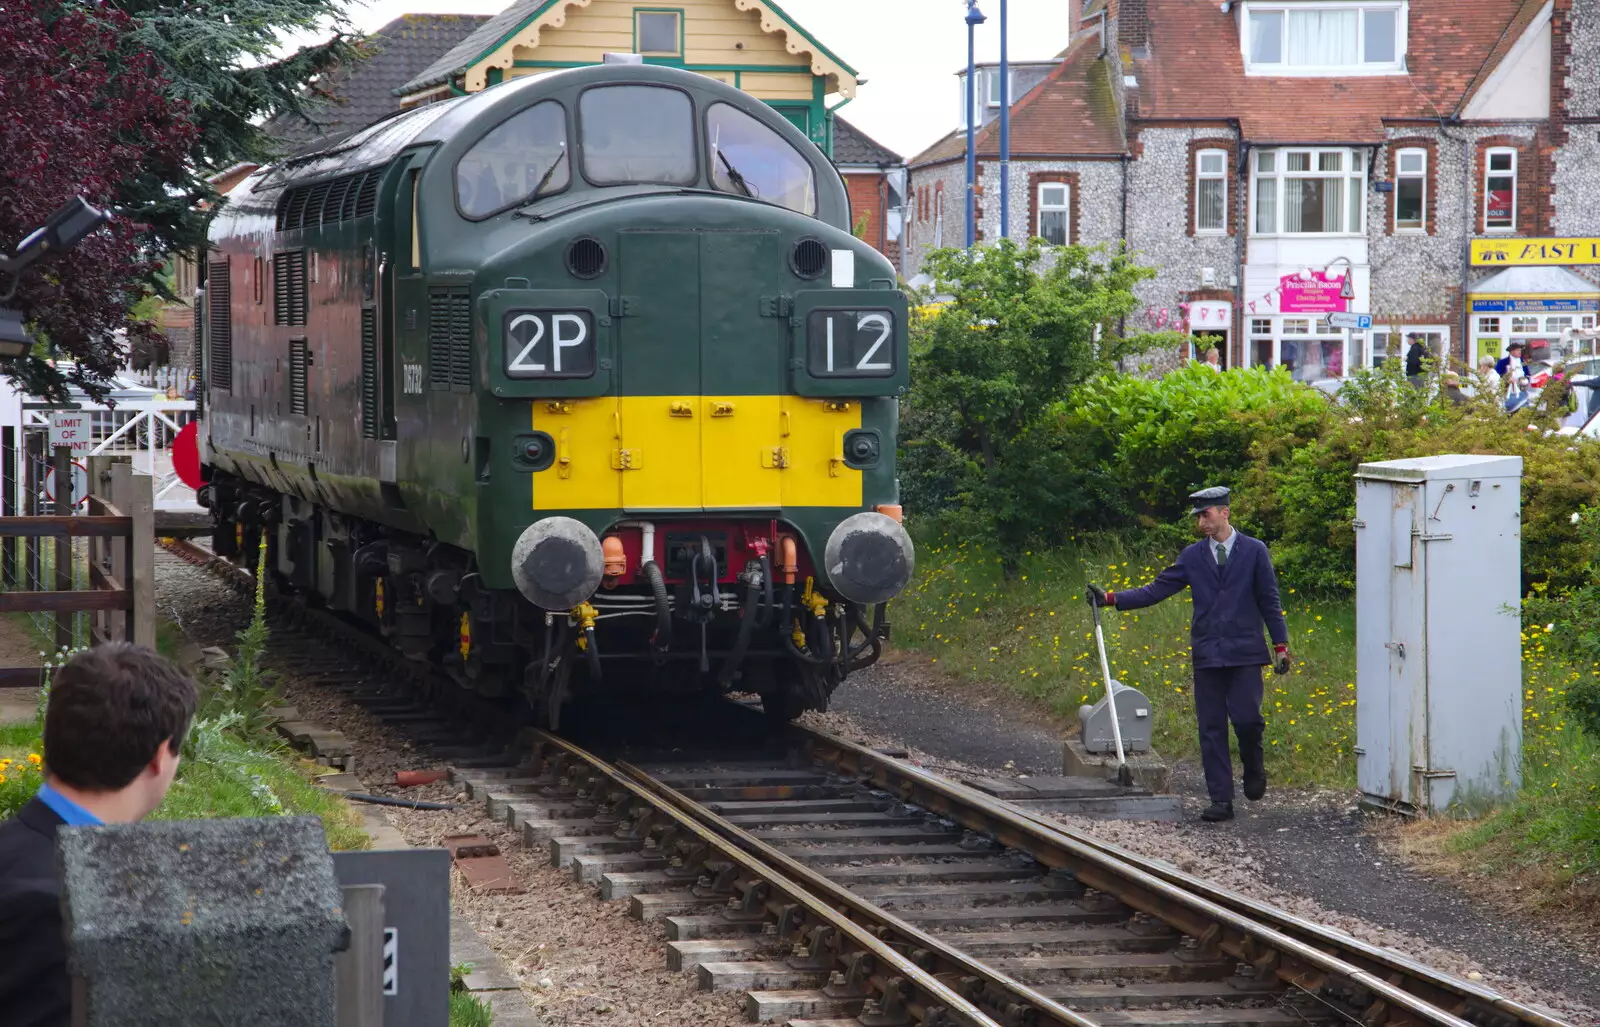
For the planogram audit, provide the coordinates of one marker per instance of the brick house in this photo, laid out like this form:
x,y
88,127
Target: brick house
x,y
1269,150
875,178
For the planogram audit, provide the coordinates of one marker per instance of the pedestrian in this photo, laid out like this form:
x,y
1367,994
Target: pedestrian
x,y
1452,389
1214,359
1235,591
1414,358
115,721
1514,375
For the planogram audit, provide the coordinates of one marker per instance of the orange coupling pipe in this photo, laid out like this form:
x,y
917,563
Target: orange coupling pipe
x,y
891,510
616,559
788,560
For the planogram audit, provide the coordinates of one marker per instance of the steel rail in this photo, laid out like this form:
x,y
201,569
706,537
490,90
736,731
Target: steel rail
x,y
1319,934
1384,961
945,959
933,1000
1217,928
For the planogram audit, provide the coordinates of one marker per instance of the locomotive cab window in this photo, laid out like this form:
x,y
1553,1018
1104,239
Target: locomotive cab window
x,y
520,159
637,134
750,159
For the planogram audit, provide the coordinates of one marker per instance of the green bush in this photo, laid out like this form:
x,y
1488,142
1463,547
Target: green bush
x,y
1119,454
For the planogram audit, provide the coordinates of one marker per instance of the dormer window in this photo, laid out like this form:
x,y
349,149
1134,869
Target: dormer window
x,y
1324,38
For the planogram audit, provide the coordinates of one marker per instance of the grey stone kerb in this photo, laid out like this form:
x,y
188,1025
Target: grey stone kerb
x,y
226,922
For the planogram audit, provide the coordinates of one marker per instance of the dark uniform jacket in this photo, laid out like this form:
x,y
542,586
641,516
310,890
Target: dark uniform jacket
x,y
34,988
1230,603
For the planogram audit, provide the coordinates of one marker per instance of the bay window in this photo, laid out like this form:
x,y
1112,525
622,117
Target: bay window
x,y
1500,190
1410,190
1325,38
1309,192
1211,191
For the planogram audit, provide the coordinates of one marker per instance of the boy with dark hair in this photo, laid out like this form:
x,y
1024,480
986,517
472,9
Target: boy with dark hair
x,y
115,722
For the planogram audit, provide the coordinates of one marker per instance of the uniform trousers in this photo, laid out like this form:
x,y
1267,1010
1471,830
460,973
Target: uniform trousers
x,y
1223,694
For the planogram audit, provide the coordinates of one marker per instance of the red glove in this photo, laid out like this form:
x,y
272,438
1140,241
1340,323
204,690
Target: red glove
x,y
1280,663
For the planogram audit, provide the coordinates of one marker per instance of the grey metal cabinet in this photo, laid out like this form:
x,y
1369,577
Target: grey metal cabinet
x,y
1438,631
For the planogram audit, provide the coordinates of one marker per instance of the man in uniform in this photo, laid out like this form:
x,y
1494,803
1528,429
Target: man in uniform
x,y
1235,590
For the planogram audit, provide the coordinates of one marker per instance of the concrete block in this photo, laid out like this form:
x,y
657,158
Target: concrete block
x,y
211,921
1150,771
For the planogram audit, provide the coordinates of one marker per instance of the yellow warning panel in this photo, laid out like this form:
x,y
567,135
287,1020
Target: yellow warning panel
x,y
659,455
742,460
586,434
813,433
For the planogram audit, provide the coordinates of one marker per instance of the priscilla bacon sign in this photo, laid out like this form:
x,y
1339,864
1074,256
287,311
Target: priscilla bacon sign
x,y
1318,294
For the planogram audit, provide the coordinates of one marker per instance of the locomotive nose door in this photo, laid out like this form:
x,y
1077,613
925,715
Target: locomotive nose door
x,y
741,371
701,371
659,368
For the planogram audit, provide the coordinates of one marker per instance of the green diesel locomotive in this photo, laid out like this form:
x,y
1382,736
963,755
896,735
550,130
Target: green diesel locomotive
x,y
577,383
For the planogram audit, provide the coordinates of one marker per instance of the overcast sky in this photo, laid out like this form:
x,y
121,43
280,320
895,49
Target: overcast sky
x,y
907,50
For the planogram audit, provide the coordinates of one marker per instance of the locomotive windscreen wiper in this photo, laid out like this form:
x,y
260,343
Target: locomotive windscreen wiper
x,y
734,176
545,179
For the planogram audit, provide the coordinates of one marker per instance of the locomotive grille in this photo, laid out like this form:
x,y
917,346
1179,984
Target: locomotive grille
x,y
289,287
449,339
367,194
369,373
299,371
586,258
218,291
326,203
809,259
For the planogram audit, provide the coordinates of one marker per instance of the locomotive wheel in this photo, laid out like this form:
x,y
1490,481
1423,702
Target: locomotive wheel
x,y
783,689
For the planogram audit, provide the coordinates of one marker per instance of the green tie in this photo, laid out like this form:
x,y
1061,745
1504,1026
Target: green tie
x,y
1222,555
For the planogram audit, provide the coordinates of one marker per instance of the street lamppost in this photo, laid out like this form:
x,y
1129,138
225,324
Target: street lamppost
x,y
1005,130
1347,292
974,19
64,230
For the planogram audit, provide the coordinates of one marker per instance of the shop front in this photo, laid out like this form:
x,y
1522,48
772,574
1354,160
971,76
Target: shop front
x,y
1285,319
1550,310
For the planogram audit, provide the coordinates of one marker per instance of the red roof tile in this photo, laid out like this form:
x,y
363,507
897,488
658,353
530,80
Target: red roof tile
x,y
1194,70
1072,111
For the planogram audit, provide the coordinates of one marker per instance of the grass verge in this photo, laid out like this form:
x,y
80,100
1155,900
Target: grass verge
x,y
1035,635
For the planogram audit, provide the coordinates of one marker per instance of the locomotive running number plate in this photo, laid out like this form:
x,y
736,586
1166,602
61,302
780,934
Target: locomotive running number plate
x,y
850,343
549,343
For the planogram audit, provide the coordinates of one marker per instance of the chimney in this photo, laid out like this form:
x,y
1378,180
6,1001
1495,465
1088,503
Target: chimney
x,y
1074,18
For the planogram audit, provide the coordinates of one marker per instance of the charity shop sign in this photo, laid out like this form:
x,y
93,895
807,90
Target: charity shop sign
x,y
1316,293
1534,252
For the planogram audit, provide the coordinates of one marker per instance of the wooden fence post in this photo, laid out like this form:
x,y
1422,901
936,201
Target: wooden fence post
x,y
142,556
32,473
8,504
63,507
99,468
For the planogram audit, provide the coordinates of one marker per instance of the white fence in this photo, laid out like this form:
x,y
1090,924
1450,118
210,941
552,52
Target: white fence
x,y
142,429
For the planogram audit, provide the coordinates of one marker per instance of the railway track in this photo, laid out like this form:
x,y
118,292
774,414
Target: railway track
x,y
834,884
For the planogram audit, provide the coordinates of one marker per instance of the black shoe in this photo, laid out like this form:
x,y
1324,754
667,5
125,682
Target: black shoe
x,y
1255,785
1218,811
